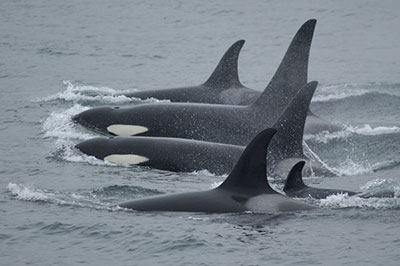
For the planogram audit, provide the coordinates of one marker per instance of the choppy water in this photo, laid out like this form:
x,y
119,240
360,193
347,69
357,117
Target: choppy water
x,y
58,58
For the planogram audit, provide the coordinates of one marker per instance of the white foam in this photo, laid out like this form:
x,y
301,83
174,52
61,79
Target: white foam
x,y
59,124
338,91
85,93
64,150
314,157
349,167
349,130
216,184
381,188
326,136
368,130
60,127
346,201
203,172
29,193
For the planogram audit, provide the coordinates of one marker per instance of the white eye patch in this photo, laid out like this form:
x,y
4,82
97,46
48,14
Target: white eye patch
x,y
126,130
126,158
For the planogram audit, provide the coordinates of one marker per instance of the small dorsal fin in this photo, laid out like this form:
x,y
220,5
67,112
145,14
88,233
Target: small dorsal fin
x,y
290,126
250,170
291,74
295,177
226,73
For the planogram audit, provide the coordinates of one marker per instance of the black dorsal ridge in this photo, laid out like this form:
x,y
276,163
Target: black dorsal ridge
x,y
295,177
291,74
290,126
250,170
226,75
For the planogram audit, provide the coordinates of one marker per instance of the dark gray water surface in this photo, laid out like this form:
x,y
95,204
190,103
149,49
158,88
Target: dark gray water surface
x,y
58,58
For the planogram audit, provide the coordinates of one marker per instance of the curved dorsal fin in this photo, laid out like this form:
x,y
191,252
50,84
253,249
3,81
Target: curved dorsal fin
x,y
291,74
290,126
250,170
226,73
295,177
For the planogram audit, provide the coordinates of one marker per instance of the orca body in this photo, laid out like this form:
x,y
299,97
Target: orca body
x,y
184,155
295,186
228,124
171,154
245,189
222,87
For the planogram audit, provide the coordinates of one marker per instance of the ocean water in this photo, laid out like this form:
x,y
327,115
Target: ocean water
x,y
58,58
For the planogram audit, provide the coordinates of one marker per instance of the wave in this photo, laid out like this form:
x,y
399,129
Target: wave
x,y
380,188
29,193
370,131
340,91
60,127
123,192
103,199
345,201
326,136
366,130
337,92
59,124
375,194
87,94
64,150
350,167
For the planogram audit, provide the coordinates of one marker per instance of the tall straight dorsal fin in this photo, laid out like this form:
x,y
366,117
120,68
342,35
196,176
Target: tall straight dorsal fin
x,y
226,73
290,126
295,177
250,170
291,74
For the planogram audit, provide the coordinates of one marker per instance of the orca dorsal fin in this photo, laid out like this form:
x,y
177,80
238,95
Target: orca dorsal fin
x,y
250,170
226,73
290,126
295,177
291,74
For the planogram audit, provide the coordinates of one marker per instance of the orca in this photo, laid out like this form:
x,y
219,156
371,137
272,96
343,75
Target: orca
x,y
230,124
245,189
222,87
184,155
295,187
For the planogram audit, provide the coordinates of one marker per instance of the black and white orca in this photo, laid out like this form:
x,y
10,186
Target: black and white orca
x,y
245,189
230,124
295,187
222,87
184,155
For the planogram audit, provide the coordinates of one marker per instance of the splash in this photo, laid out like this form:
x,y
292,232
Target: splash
x,y
380,188
29,193
350,167
326,136
59,124
370,131
338,91
216,184
60,127
65,151
345,201
314,157
203,172
341,91
87,94
349,130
